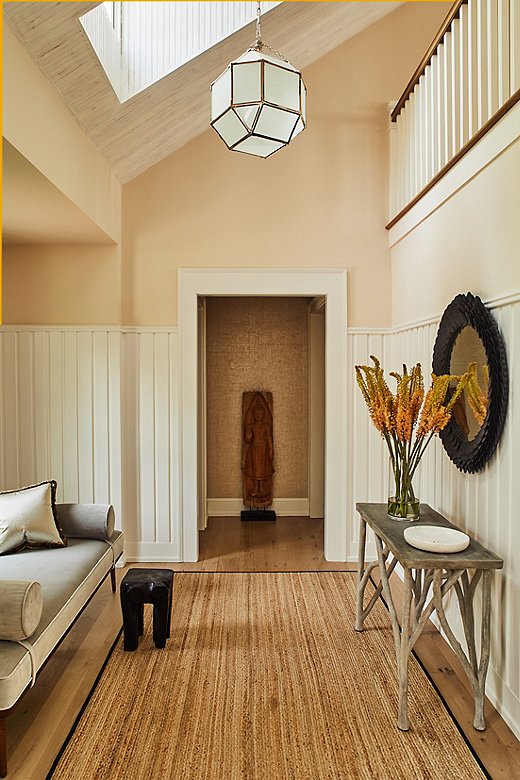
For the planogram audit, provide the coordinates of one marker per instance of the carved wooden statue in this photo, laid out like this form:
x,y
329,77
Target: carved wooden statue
x,y
257,449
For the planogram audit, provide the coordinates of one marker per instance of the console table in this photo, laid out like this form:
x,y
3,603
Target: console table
x,y
424,571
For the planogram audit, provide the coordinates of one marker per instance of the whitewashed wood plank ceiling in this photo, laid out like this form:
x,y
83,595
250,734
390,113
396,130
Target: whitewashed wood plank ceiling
x,y
153,124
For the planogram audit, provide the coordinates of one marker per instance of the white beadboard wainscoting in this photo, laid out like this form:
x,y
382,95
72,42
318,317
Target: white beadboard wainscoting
x,y
60,407
98,409
151,444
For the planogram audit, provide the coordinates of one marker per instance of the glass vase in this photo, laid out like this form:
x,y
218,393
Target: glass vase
x,y
403,504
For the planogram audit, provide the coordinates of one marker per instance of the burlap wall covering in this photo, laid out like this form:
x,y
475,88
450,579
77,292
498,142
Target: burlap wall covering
x,y
257,344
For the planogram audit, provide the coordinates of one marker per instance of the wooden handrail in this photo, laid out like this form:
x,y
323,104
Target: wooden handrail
x,y
453,14
502,111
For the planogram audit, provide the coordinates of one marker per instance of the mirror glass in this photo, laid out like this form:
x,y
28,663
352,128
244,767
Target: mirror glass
x,y
468,348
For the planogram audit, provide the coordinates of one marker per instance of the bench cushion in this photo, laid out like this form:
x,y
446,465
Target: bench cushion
x,y
68,577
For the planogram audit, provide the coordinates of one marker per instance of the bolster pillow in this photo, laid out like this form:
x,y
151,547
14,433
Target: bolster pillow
x,y
21,605
87,521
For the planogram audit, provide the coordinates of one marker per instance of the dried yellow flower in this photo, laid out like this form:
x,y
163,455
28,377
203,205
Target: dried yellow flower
x,y
408,418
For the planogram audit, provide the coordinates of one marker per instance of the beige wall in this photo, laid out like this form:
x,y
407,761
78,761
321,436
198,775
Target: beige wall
x,y
50,284
257,344
58,284
322,202
37,123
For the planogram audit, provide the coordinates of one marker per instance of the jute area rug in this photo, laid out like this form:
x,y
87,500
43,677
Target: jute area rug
x,y
264,678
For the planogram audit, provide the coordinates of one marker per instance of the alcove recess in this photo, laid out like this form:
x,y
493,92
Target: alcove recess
x,y
257,343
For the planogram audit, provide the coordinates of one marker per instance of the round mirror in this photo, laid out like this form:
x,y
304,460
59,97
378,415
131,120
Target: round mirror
x,y
468,348
469,334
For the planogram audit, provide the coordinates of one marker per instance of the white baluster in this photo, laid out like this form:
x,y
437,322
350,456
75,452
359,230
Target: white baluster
x,y
503,48
442,124
464,94
448,103
435,115
419,143
514,42
455,86
492,57
482,63
472,68
411,147
393,190
428,124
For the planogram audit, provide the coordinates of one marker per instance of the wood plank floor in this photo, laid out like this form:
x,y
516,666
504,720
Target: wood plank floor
x,y
287,544
39,726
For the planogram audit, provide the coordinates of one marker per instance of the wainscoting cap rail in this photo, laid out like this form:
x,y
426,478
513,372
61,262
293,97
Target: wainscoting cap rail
x,y
495,302
9,327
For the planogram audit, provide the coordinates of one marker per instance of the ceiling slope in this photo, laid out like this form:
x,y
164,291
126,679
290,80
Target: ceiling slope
x,y
155,123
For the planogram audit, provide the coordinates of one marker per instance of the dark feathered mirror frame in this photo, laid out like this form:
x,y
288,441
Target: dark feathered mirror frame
x,y
468,310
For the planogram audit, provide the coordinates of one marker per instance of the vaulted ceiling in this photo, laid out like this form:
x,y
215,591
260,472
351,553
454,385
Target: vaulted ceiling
x,y
139,133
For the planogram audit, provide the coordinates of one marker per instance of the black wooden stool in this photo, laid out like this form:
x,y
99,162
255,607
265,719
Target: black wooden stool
x,y
146,586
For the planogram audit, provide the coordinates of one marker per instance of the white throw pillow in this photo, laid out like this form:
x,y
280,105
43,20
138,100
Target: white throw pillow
x,y
28,518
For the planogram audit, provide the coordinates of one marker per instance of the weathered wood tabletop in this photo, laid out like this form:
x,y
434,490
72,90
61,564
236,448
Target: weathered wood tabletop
x,y
391,531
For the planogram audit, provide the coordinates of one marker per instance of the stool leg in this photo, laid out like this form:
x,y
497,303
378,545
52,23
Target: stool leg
x,y
169,610
160,620
130,624
140,618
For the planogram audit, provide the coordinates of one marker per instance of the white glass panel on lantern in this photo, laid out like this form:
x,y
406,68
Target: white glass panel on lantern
x,y
246,82
221,94
276,123
248,114
230,128
281,86
303,95
299,127
261,147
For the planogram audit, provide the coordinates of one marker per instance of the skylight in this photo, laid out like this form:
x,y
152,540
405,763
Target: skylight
x,y
138,43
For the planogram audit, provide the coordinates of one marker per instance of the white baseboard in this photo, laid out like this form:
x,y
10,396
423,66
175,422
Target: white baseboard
x,y
284,507
504,700
150,552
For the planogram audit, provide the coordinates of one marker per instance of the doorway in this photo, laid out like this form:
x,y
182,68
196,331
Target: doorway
x,y
268,283
274,345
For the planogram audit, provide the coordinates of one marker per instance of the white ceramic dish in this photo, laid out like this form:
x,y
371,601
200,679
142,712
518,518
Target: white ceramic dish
x,y
435,538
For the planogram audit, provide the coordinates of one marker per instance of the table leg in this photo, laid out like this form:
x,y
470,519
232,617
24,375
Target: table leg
x,y
360,590
381,557
475,670
363,578
404,652
485,649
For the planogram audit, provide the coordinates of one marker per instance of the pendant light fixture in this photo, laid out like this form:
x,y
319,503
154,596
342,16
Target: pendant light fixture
x,y
258,103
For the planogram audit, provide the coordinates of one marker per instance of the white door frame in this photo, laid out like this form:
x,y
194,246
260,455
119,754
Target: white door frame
x,y
270,282
316,460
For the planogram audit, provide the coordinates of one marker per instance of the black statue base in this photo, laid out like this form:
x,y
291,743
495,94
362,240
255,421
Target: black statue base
x,y
258,514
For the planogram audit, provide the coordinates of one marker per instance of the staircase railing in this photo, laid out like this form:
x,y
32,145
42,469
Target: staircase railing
x,y
467,80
